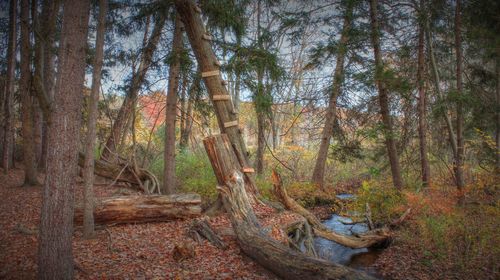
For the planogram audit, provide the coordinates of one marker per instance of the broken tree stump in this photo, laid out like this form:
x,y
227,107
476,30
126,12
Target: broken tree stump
x,y
203,228
266,251
143,208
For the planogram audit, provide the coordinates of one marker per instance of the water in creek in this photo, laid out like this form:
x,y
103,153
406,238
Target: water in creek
x,y
360,259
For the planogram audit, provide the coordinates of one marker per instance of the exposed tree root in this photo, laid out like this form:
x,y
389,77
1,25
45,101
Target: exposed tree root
x,y
123,172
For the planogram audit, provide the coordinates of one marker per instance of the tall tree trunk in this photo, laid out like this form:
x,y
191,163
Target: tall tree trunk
x,y
260,106
274,129
237,82
110,151
186,132
55,256
422,127
171,110
9,92
437,83
183,104
497,70
261,141
319,168
29,159
459,157
88,165
48,21
38,61
384,99
208,64
37,132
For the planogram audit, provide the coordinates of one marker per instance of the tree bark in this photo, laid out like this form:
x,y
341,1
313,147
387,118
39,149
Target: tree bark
x,y
29,159
171,109
384,99
55,257
183,100
459,157
268,252
9,92
188,122
48,23
338,78
38,65
88,166
260,106
497,70
119,126
261,141
422,100
143,209
224,111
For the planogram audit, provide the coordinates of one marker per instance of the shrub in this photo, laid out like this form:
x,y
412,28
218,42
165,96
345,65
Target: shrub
x,y
309,195
459,241
385,202
194,174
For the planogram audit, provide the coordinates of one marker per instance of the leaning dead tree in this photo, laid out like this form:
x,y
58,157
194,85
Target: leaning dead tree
x,y
124,171
143,209
254,242
209,65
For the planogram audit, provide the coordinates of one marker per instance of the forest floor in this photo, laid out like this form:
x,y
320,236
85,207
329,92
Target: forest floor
x,y
144,251
134,251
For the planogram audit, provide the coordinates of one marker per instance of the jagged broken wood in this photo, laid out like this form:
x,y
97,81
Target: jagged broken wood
x,y
378,237
268,252
203,228
300,233
143,208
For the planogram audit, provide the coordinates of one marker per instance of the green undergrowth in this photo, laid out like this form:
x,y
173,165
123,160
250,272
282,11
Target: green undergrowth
x,y
465,240
194,174
385,202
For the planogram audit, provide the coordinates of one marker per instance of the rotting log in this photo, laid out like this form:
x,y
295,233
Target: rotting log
x,y
372,238
143,208
266,251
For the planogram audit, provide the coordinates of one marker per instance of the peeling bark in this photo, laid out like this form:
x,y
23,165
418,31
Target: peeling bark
x,y
143,209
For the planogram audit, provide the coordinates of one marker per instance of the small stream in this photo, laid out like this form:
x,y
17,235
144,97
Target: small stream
x,y
360,259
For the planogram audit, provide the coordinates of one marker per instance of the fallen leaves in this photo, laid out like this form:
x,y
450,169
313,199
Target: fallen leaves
x,y
135,251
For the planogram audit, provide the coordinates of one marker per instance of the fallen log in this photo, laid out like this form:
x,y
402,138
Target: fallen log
x,y
373,238
266,251
142,209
